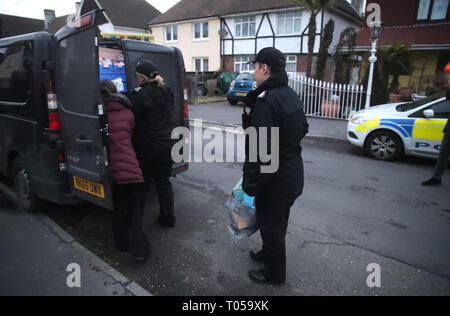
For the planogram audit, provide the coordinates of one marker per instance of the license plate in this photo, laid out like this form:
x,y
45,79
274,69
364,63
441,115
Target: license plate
x,y
243,94
89,187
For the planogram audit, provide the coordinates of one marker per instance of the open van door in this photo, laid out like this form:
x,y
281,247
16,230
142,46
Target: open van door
x,y
83,120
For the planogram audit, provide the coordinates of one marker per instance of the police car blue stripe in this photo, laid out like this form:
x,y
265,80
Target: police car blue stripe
x,y
404,126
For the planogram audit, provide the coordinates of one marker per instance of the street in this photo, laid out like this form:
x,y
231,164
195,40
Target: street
x,y
355,211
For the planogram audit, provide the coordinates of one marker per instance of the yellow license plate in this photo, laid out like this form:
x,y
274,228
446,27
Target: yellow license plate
x,y
242,94
89,187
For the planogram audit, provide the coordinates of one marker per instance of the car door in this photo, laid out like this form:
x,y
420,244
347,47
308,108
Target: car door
x,y
83,121
428,132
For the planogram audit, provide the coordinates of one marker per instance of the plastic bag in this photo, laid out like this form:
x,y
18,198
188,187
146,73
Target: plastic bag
x,y
242,213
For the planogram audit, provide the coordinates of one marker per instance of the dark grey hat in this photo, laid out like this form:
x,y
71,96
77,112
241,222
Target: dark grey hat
x,y
147,68
271,57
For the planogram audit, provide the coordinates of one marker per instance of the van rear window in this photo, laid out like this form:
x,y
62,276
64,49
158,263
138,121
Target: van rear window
x,y
16,72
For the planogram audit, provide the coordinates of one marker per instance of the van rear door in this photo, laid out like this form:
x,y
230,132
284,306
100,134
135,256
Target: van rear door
x,y
83,123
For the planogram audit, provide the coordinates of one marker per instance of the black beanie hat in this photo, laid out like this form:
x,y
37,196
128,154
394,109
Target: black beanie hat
x,y
147,68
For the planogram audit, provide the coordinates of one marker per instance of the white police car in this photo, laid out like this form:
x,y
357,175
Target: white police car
x,y
389,131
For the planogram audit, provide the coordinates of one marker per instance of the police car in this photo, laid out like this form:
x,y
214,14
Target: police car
x,y
389,131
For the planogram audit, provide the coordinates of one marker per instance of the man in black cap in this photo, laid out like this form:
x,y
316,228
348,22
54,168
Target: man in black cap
x,y
153,107
274,105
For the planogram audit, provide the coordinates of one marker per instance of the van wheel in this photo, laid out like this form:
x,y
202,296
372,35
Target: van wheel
x,y
384,145
27,199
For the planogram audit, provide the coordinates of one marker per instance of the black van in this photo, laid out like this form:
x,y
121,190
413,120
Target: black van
x,y
53,129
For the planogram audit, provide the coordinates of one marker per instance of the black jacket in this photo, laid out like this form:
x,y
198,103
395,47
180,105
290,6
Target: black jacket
x,y
447,126
275,104
153,108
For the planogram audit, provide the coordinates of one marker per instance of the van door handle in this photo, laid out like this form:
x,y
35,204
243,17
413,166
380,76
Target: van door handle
x,y
81,141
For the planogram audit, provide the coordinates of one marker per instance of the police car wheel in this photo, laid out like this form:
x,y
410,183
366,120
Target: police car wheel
x,y
28,201
384,145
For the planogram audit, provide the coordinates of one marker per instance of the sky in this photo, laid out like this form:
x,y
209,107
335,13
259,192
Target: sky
x,y
35,8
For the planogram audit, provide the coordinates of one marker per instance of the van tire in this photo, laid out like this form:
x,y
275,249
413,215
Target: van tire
x,y
27,198
385,145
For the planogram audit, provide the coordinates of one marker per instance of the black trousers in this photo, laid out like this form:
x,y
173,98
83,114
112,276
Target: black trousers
x,y
273,222
442,162
127,219
160,174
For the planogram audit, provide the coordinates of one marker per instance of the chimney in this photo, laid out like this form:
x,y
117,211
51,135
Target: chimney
x,y
50,15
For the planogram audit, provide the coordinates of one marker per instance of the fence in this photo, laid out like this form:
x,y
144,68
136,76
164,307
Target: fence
x,y
328,100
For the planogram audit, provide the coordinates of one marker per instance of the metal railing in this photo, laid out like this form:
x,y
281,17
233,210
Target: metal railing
x,y
327,99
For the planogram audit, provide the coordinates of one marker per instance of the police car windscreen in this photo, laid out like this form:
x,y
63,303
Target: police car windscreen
x,y
413,105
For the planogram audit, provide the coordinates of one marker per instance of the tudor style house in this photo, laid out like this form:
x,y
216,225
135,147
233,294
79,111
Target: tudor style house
x,y
226,35
422,24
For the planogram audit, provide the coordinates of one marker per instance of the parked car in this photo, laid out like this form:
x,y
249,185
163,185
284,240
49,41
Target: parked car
x,y
391,130
241,86
53,126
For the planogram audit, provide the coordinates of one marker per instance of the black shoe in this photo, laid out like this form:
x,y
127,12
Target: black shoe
x,y
167,222
257,256
432,182
259,276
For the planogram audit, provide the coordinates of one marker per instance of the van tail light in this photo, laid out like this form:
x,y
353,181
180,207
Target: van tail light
x,y
232,84
185,92
84,21
52,105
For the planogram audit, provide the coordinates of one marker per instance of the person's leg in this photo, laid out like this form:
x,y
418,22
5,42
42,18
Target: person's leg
x,y
442,162
148,173
273,222
140,247
119,221
165,194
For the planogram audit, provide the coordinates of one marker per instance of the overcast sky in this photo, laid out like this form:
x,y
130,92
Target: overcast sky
x,y
35,9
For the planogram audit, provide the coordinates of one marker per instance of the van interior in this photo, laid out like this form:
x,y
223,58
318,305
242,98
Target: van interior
x,y
112,67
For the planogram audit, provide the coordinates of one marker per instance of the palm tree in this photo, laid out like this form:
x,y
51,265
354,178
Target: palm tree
x,y
315,6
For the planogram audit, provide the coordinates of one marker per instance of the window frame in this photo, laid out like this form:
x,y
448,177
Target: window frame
x,y
31,86
241,62
172,33
291,62
251,20
202,64
202,31
294,17
430,13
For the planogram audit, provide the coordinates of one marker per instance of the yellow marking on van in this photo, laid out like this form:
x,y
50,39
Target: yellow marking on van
x,y
89,187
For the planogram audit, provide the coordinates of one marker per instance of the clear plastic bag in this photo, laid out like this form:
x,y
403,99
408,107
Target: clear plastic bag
x,y
242,213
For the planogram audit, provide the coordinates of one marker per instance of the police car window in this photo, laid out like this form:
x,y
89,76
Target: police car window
x,y
16,73
413,105
441,109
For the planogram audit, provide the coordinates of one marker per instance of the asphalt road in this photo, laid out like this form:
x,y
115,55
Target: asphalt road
x,y
355,211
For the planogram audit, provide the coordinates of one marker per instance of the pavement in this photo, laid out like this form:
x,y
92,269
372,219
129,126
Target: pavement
x,y
36,254
224,114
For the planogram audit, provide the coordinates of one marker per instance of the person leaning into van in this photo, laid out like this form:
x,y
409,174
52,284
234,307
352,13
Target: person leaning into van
x,y
153,107
127,175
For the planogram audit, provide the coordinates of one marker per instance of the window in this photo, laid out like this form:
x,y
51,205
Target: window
x,y
291,64
171,33
246,27
241,63
289,23
201,30
201,64
16,74
432,10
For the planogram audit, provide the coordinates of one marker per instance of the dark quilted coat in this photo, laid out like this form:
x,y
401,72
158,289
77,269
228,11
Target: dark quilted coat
x,y
125,166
